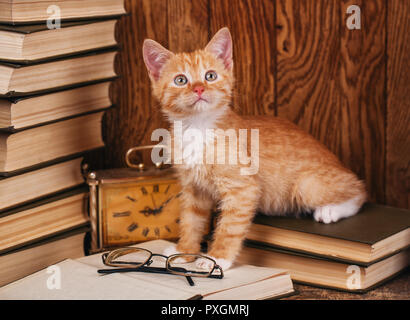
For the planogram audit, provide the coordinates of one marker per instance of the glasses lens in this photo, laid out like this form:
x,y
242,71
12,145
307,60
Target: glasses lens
x,y
128,257
190,264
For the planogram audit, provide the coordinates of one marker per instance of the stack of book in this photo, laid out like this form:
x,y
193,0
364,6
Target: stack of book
x,y
354,254
54,89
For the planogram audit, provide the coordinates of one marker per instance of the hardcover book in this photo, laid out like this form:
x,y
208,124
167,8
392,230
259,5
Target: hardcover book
x,y
39,145
25,44
28,11
376,232
36,184
25,112
328,273
36,256
42,219
372,244
20,80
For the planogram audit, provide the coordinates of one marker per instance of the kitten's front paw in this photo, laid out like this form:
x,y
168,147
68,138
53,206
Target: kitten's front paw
x,y
170,251
224,264
206,264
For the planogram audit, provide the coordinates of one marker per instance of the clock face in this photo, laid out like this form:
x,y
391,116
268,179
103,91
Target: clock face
x,y
136,212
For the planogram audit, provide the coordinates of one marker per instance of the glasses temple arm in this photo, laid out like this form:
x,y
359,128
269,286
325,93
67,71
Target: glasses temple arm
x,y
143,269
190,281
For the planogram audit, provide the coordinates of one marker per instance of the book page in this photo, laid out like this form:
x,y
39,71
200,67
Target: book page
x,y
79,279
237,276
82,282
265,289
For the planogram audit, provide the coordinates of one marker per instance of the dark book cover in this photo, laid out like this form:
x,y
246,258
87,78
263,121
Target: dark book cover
x,y
372,224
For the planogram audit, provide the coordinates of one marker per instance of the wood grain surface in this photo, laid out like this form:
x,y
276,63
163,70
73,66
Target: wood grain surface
x,y
293,58
137,113
308,57
363,81
325,80
252,27
398,104
190,19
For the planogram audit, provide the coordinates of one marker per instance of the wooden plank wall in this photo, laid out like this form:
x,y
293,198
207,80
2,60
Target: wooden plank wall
x,y
398,104
325,80
294,59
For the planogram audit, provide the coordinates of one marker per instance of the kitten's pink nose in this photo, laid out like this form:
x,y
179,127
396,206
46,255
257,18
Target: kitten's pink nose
x,y
199,90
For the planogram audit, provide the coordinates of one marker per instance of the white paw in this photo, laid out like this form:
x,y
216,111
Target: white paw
x,y
206,264
170,251
335,212
325,214
224,264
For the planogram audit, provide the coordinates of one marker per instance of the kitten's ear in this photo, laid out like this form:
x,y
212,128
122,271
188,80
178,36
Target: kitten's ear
x,y
155,56
221,47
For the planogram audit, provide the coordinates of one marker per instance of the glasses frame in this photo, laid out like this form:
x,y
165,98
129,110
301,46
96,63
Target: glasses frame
x,y
108,257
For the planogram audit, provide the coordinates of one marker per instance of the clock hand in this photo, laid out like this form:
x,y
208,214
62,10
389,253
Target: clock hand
x,y
153,201
165,203
147,211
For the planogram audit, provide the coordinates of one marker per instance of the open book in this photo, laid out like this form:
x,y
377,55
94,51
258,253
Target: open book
x,y
78,279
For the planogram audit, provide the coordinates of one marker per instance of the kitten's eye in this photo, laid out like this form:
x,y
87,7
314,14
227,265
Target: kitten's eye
x,y
180,80
211,76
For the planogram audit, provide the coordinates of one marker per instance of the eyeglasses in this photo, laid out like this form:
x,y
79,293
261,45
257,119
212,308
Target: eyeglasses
x,y
130,259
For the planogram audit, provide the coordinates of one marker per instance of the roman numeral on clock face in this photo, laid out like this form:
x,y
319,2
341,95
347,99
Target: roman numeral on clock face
x,y
132,227
167,189
131,199
121,214
145,232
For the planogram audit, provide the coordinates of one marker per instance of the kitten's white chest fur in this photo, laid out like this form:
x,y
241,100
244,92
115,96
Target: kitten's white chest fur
x,y
196,134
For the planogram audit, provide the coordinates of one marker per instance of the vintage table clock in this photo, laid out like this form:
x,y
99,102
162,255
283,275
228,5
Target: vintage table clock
x,y
131,205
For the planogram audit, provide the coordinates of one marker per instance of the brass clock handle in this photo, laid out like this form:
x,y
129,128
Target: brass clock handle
x,y
141,166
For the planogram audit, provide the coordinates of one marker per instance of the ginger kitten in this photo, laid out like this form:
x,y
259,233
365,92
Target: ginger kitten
x,y
296,173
